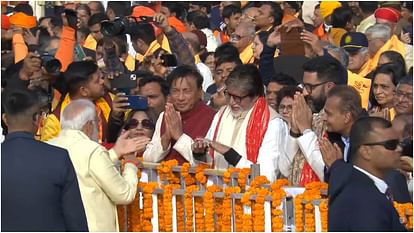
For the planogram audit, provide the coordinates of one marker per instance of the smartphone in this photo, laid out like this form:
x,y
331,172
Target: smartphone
x,y
147,19
169,60
137,102
291,44
124,83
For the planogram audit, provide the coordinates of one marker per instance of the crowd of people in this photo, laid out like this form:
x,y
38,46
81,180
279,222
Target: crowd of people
x,y
310,91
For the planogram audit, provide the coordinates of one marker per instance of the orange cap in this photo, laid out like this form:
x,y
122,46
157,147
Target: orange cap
x,y
142,11
22,20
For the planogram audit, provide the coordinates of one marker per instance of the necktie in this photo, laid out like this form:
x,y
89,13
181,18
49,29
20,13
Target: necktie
x,y
389,195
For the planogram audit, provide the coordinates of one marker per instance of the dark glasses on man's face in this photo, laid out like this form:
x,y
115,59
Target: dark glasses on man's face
x,y
133,123
389,145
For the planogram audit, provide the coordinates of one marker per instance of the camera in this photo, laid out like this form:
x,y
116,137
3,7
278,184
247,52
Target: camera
x,y
119,26
169,60
50,63
146,19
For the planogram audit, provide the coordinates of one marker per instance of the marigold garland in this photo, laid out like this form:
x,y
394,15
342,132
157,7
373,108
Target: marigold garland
x,y
161,212
405,212
199,214
298,207
209,211
323,207
242,177
180,213
218,205
188,204
258,210
185,173
147,208
277,196
226,217
200,177
238,212
165,171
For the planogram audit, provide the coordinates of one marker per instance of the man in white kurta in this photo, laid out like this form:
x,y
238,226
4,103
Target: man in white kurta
x,y
247,130
232,132
101,184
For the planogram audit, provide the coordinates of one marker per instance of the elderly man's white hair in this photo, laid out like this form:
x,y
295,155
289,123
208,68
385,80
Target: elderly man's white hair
x,y
379,31
248,27
77,114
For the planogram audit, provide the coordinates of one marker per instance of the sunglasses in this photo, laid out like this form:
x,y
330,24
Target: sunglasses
x,y
389,145
133,123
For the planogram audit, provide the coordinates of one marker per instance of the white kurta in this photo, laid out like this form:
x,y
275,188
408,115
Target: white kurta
x,y
272,147
155,153
101,185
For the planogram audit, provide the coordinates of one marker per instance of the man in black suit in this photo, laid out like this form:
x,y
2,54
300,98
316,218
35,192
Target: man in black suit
x,y
40,190
359,198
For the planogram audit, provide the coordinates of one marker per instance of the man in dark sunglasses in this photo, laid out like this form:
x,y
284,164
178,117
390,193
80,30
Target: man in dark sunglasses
x,y
359,197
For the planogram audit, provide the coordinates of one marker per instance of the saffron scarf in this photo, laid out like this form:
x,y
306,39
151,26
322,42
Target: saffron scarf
x,y
393,44
256,128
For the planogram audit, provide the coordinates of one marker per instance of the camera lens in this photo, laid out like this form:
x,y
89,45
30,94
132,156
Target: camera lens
x,y
115,28
52,66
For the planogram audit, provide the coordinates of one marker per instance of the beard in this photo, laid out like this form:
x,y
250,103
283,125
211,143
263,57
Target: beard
x,y
316,104
236,114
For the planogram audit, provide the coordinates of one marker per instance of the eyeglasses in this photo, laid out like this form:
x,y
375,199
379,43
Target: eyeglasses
x,y
235,37
237,99
310,87
133,123
406,95
389,144
283,107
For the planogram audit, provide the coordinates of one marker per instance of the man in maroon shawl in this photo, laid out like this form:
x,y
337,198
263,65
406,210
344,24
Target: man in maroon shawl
x,y
186,118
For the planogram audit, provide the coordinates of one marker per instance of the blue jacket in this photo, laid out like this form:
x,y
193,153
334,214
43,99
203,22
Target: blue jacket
x,y
355,203
39,188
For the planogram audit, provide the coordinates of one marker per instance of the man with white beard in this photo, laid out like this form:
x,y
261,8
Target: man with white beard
x,y
247,130
101,185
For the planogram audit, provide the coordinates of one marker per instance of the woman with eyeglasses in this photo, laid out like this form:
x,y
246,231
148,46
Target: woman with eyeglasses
x,y
284,101
140,123
383,90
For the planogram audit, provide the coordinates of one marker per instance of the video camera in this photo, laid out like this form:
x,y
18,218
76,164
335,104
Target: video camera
x,y
121,26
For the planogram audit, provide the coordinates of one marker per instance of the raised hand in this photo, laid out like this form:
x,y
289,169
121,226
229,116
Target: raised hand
x,y
161,21
173,120
274,38
302,114
30,38
32,63
125,145
119,103
313,41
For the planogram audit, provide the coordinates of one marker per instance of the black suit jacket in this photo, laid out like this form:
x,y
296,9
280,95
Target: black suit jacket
x,y
355,203
39,188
